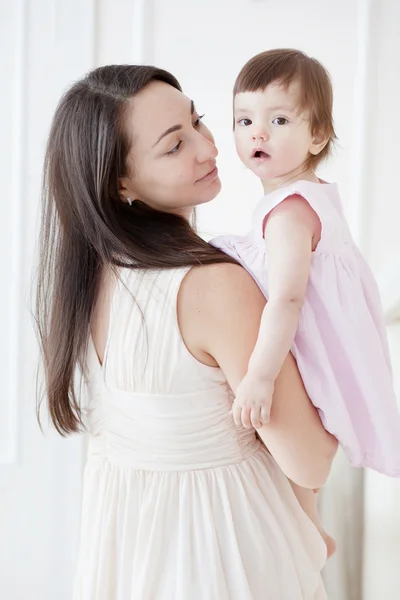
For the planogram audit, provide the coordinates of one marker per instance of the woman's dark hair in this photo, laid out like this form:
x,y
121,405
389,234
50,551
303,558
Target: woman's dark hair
x,y
85,224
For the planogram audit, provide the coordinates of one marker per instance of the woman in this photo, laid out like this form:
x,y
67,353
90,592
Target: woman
x,y
178,504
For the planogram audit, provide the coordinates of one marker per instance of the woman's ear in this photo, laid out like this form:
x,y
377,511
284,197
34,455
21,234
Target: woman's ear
x,y
125,190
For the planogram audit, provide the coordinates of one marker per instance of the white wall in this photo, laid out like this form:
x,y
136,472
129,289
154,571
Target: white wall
x,y
45,45
383,137
205,47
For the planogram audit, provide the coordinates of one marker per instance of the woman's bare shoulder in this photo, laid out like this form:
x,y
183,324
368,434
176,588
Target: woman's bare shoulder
x,y
223,282
219,312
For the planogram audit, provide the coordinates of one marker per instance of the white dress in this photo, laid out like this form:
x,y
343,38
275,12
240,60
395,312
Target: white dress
x,y
178,503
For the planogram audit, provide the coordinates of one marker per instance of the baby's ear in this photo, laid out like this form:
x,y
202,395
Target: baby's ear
x,y
318,143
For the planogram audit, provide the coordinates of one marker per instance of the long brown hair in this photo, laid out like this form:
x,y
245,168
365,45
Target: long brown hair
x,y
85,225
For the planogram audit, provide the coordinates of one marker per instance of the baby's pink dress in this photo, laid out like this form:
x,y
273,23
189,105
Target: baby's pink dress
x,y
340,346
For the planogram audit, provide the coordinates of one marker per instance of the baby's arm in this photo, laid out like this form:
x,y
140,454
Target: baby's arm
x,y
291,232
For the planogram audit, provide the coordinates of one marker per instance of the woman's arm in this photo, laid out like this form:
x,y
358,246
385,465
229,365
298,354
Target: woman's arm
x,y
219,310
295,433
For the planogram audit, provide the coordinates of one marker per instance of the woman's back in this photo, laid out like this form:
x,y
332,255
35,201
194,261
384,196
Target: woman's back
x,y
162,408
179,503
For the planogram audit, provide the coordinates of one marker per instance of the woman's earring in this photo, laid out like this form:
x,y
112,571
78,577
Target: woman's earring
x,y
129,201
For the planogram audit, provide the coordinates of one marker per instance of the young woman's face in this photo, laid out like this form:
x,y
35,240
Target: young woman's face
x,y
172,161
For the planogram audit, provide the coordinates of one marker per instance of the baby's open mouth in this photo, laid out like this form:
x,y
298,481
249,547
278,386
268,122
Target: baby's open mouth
x,y
260,154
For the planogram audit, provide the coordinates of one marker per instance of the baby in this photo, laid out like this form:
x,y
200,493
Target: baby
x,y
323,303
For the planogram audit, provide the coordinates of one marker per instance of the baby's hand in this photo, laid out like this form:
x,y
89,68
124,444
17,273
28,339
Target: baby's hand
x,y
252,405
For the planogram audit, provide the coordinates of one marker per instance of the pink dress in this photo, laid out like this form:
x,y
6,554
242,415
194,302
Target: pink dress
x,y
340,346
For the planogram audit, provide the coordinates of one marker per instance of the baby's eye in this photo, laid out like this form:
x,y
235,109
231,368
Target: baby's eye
x,y
280,121
244,122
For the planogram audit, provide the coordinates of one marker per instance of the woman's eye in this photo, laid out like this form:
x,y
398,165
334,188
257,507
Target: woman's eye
x,y
280,121
245,122
197,122
175,149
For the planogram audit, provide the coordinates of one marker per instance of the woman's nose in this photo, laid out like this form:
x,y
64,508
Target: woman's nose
x,y
207,149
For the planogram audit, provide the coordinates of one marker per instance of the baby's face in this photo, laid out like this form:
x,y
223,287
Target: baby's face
x,y
272,136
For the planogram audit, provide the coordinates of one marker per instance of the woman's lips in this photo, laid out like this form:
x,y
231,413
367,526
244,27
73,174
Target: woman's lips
x,y
213,174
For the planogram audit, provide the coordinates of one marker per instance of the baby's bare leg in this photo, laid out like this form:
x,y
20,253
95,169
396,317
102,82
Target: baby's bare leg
x,y
308,501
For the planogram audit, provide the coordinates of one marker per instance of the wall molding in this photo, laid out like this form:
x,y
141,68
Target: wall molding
x,y
344,574
389,285
10,428
142,31
361,194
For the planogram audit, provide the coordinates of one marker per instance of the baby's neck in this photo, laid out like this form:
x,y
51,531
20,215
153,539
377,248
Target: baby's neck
x,y
270,185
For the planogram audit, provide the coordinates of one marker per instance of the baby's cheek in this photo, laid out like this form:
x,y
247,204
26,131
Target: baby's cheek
x,y
291,155
239,143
